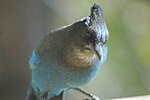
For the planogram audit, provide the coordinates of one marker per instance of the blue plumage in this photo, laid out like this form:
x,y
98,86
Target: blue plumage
x,y
70,56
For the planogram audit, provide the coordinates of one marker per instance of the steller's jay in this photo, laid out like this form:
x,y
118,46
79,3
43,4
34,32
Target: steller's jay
x,y
70,56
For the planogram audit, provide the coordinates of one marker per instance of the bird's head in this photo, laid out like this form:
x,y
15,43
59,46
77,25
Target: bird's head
x,y
96,31
90,35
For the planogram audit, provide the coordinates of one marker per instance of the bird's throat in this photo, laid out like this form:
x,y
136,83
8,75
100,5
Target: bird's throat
x,y
79,57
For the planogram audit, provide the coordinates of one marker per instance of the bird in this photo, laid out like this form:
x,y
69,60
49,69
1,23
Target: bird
x,y
69,56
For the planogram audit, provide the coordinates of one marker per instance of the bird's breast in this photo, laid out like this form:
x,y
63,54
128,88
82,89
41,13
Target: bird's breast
x,y
77,57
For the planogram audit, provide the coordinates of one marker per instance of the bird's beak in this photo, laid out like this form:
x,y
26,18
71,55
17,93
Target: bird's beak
x,y
96,51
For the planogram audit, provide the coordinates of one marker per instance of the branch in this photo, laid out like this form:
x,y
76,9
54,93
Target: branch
x,y
146,97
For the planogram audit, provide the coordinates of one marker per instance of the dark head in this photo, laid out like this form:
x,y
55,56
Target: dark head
x,y
89,38
95,31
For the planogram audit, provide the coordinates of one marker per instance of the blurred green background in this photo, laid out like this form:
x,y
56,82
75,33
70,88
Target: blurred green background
x,y
125,73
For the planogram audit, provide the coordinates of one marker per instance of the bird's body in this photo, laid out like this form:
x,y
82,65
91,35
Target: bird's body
x,y
64,58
